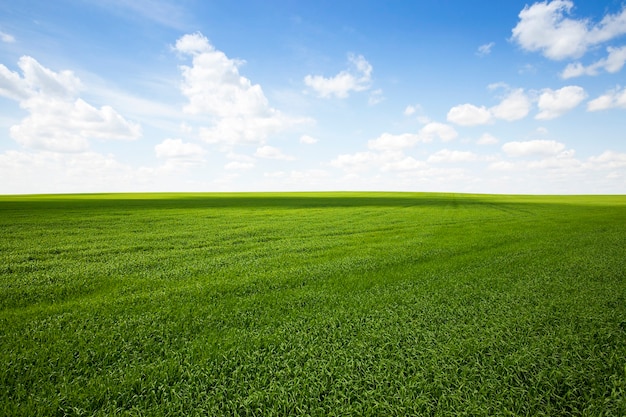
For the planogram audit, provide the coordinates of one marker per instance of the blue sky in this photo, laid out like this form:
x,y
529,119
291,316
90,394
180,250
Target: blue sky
x,y
456,96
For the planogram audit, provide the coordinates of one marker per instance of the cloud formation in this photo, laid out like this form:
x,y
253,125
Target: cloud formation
x,y
613,63
484,50
270,152
432,130
487,139
533,148
6,38
546,27
178,152
452,156
58,120
554,103
469,115
308,140
357,78
212,84
612,99
516,105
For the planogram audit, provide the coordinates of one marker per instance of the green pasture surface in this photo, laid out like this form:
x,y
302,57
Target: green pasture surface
x,y
325,304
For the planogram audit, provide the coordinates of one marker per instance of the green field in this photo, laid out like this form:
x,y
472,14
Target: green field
x,y
321,304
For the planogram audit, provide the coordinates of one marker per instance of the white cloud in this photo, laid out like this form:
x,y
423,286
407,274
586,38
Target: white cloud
x,y
612,63
527,69
7,38
180,152
487,139
515,106
359,161
375,97
469,115
451,156
58,121
214,87
555,103
388,141
609,160
274,174
409,110
37,81
53,172
612,99
502,166
532,148
66,126
270,152
403,164
562,161
484,50
308,140
310,177
196,44
239,157
12,85
239,166
433,130
358,78
386,154
544,27
386,161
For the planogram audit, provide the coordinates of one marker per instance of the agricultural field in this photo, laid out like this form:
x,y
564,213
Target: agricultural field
x,y
321,304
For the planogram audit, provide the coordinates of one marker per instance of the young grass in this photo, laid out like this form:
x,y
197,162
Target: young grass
x,y
312,304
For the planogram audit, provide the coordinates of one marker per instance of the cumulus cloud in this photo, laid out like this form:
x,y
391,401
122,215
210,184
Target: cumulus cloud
x,y
487,139
612,63
517,104
212,84
270,152
308,140
239,166
357,78
177,151
58,120
546,27
514,106
403,163
375,97
484,50
53,172
409,110
555,103
388,161
612,99
388,141
533,148
431,131
469,115
609,159
438,130
452,156
7,38
360,161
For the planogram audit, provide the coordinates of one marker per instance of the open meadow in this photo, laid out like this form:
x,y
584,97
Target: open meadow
x,y
312,304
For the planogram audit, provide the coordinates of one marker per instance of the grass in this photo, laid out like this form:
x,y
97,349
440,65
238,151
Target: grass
x,y
312,304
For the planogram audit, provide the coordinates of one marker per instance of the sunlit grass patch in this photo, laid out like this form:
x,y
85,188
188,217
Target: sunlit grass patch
x,y
312,303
